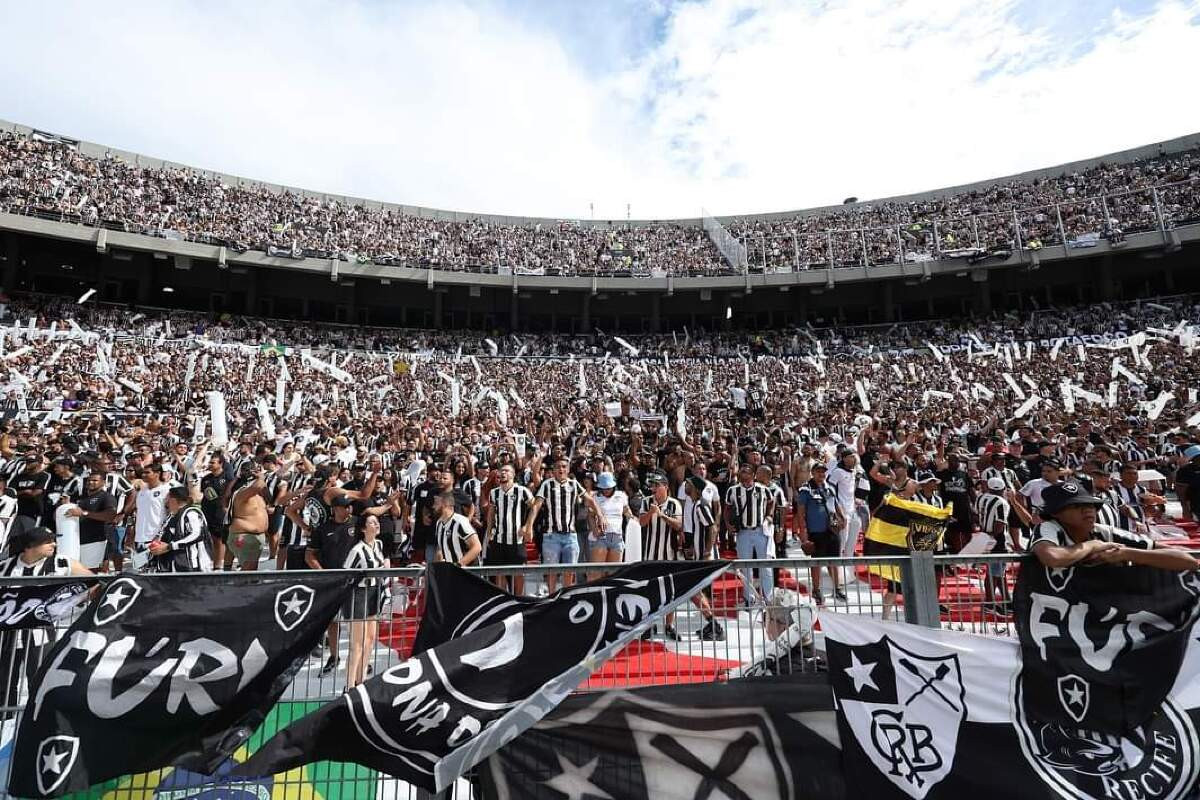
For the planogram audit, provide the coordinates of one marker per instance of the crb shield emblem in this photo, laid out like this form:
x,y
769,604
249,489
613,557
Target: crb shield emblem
x,y
904,709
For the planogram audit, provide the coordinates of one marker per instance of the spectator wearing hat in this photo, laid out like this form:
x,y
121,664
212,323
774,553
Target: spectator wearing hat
x,y
608,538
817,521
328,547
1069,535
927,493
993,512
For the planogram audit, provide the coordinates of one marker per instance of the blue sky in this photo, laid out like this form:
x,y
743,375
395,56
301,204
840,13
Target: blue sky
x,y
566,109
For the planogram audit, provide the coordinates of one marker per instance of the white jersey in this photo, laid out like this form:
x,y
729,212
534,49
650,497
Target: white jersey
x,y
151,510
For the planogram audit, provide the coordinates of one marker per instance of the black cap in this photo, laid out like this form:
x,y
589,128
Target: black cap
x,y
655,477
342,501
697,483
1052,462
35,537
1060,495
926,476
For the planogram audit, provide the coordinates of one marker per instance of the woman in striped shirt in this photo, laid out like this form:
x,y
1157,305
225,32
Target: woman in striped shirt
x,y
362,609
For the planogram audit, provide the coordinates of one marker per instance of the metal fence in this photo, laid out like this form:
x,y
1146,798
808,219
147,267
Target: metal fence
x,y
778,637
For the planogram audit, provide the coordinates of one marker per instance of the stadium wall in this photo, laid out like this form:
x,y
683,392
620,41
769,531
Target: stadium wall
x,y
140,271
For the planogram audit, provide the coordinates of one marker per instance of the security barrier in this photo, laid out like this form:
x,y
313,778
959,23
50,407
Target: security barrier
x,y
779,636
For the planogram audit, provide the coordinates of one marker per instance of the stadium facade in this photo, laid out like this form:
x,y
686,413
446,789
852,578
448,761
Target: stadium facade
x,y
45,253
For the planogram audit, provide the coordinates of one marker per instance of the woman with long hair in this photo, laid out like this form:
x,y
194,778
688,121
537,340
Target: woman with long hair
x,y
362,609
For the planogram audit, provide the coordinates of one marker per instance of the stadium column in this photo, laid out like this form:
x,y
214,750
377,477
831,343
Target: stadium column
x,y
437,310
655,313
12,257
983,292
1105,283
514,311
585,313
145,277
251,291
888,300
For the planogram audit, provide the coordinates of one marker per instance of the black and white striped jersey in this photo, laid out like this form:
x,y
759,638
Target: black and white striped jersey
x,y
118,486
366,556
658,540
697,523
1009,476
473,488
291,534
560,500
1133,499
990,509
510,509
1109,513
186,532
935,500
453,536
748,504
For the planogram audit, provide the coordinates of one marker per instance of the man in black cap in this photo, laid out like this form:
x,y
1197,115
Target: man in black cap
x,y
1070,535
328,547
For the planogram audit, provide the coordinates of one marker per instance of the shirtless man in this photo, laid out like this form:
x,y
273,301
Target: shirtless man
x,y
248,514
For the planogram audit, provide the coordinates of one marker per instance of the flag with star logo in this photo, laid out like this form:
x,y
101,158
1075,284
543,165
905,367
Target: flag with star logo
x,y
488,666
1101,644
160,671
749,739
35,606
941,715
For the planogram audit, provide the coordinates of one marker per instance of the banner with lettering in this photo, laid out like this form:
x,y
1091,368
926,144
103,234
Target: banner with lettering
x,y
160,671
942,715
25,605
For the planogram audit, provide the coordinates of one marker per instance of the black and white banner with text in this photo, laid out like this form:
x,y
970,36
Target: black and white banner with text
x,y
164,670
939,714
490,666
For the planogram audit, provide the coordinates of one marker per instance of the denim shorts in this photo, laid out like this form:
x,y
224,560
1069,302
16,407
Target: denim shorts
x,y
560,548
612,540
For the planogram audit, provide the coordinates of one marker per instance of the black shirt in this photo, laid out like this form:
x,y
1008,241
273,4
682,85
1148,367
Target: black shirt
x,y
24,481
333,542
91,531
424,520
212,489
956,489
1189,475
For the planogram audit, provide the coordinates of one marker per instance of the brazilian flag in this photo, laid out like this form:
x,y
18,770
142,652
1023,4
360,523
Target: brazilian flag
x,y
272,350
900,527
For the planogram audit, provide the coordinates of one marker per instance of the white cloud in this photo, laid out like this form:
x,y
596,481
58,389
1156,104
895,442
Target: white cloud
x,y
753,106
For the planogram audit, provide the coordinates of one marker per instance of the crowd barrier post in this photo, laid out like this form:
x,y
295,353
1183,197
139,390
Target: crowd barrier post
x,y
918,579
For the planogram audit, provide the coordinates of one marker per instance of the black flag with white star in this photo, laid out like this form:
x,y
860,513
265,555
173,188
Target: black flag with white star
x,y
162,671
942,715
493,665
751,739
1101,645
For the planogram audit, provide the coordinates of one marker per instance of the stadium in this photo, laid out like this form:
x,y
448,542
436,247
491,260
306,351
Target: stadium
x,y
310,496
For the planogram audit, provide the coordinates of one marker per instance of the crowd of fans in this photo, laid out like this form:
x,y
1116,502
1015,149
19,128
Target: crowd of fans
x,y
47,176
318,446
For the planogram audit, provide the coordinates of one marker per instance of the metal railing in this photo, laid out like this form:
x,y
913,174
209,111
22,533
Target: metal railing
x,y
779,637
1075,223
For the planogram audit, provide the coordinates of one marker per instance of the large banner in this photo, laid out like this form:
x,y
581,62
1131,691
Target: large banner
x,y
938,714
166,670
488,666
755,739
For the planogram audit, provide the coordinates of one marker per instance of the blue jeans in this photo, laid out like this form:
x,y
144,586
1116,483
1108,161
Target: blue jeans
x,y
610,540
752,543
560,548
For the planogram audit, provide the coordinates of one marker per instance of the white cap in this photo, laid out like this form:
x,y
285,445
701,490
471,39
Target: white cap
x,y
996,484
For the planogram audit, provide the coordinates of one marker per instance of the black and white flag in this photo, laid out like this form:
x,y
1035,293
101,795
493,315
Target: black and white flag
x,y
936,714
1101,645
162,671
493,665
26,605
752,739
